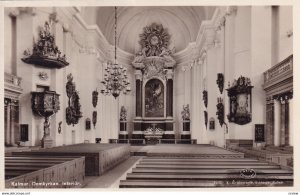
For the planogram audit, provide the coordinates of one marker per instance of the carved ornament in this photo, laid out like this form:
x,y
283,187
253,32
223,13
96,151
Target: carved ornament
x,y
240,101
73,113
45,52
123,114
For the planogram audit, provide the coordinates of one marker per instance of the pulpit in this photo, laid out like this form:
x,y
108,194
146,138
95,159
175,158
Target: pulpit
x,y
45,104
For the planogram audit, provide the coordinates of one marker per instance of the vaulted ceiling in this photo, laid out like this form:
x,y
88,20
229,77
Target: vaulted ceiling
x,y
182,23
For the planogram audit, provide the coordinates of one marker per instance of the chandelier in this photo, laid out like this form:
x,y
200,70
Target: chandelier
x,y
115,77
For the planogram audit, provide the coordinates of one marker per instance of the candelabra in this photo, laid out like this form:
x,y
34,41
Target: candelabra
x,y
115,77
115,80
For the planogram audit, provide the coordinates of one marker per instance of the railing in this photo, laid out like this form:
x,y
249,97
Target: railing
x,y
160,141
12,79
283,67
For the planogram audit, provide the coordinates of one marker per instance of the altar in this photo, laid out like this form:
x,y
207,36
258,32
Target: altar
x,y
154,70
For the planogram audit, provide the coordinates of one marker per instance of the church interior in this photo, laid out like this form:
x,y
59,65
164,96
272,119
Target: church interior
x,y
148,97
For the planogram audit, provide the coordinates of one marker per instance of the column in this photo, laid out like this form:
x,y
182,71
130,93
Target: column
x,y
291,133
270,121
276,123
13,121
169,94
287,121
139,93
137,123
282,121
7,121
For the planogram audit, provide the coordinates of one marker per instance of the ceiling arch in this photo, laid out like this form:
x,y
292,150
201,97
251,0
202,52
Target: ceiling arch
x,y
182,23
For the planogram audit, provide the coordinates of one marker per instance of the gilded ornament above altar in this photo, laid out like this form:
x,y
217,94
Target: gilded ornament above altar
x,y
154,57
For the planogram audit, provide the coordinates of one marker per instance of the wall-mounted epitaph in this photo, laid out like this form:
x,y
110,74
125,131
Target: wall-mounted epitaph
x,y
211,124
87,123
205,97
73,113
94,118
205,118
240,101
220,111
220,82
154,98
95,98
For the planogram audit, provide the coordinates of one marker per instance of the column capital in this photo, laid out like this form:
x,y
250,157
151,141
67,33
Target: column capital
x,y
284,97
138,74
17,11
170,74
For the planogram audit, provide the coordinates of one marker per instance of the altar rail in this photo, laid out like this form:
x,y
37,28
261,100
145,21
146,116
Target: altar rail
x,y
160,141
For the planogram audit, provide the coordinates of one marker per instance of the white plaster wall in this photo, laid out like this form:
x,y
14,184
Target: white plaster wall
x,y
128,101
7,42
84,69
261,59
25,25
229,69
285,25
241,62
179,98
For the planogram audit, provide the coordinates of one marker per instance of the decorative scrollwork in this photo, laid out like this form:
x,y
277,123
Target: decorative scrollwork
x,y
73,113
205,118
155,56
205,96
95,98
220,82
154,39
220,111
94,118
59,127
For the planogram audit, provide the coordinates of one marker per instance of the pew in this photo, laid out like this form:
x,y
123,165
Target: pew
x,y
44,172
99,158
175,172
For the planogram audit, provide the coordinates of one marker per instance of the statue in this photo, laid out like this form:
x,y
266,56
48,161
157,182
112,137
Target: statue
x,y
123,114
186,112
139,57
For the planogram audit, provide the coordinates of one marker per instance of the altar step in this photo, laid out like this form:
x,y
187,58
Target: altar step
x,y
176,172
200,183
207,171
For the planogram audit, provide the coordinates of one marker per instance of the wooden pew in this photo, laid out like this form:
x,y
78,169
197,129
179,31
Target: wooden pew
x,y
99,158
44,172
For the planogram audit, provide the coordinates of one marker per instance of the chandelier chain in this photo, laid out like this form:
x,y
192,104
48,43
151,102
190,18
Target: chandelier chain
x,y
115,34
115,77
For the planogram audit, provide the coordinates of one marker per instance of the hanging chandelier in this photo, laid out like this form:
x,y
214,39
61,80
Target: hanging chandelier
x,y
115,77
